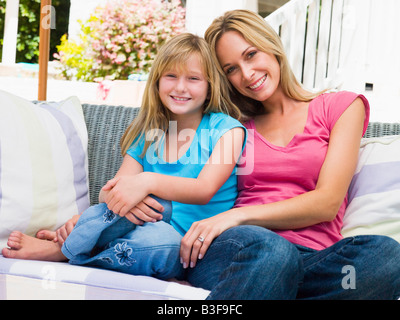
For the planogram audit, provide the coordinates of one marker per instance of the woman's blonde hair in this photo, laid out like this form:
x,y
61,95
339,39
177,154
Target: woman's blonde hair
x,y
260,34
173,56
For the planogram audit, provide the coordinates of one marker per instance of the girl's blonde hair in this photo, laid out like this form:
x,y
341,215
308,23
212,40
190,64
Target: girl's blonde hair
x,y
260,34
173,56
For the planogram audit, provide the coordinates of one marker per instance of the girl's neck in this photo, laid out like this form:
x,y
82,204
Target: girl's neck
x,y
187,121
180,135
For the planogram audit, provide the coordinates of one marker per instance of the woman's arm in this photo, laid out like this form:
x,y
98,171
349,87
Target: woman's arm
x,y
215,172
319,205
323,203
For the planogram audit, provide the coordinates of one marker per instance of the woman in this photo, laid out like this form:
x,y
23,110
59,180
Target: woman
x,y
304,151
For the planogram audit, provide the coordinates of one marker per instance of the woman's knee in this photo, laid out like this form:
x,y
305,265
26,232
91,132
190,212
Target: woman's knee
x,y
244,236
263,245
260,263
378,257
378,247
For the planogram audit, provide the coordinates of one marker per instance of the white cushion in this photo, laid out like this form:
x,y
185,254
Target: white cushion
x,y
43,164
374,194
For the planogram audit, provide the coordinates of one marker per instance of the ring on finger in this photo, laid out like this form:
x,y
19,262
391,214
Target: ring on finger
x,y
201,239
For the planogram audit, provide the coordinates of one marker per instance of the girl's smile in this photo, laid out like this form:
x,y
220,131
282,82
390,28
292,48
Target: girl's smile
x,y
180,99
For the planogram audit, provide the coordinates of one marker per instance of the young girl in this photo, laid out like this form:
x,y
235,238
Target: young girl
x,y
183,146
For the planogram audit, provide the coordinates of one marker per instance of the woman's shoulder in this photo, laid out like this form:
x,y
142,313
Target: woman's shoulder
x,y
331,105
335,97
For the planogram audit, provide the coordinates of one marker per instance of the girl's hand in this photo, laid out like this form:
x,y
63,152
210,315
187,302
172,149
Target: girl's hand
x,y
201,234
145,212
66,229
61,234
125,193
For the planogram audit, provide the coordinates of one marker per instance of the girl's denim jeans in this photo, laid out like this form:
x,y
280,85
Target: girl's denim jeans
x,y
104,239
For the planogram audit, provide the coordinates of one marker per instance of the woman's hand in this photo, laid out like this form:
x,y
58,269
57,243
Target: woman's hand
x,y
201,234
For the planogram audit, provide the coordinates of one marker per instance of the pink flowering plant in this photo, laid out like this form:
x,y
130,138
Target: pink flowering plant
x,y
120,38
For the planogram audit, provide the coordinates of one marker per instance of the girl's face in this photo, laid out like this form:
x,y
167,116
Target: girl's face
x,y
254,73
184,91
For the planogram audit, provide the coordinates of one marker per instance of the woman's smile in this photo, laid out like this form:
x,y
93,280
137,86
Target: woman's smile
x,y
258,84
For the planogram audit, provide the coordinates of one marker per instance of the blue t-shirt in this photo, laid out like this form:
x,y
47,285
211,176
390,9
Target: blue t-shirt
x,y
212,127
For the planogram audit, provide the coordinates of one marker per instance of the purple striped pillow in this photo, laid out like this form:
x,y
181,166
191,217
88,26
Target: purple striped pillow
x,y
43,164
374,193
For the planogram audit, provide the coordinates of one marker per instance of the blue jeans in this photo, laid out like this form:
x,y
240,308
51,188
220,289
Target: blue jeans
x,y
106,240
253,263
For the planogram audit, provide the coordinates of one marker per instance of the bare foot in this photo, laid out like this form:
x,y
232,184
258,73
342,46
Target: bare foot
x,y
22,246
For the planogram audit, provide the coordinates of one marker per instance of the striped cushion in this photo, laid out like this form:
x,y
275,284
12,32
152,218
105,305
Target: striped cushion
x,y
43,164
374,194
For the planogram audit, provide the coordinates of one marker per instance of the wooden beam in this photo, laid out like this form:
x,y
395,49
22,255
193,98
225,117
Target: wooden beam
x,y
44,47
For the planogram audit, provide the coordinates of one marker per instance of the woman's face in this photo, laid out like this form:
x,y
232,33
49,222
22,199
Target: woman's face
x,y
253,73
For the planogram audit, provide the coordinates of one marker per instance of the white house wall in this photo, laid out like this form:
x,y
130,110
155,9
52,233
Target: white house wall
x,y
373,54
81,10
201,13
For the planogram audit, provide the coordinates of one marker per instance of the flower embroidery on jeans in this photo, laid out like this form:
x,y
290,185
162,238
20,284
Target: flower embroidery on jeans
x,y
109,216
123,253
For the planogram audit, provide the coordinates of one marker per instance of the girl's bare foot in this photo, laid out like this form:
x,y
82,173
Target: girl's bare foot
x,y
22,246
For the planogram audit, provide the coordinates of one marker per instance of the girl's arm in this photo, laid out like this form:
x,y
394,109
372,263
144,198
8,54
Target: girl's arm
x,y
216,171
319,205
186,190
128,167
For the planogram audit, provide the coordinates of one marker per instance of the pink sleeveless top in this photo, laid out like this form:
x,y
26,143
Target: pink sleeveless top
x,y
281,173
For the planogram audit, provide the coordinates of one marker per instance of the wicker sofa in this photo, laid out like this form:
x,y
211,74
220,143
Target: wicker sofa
x,y
106,124
44,280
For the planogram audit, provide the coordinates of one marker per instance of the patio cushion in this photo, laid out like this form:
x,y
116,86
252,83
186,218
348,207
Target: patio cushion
x,y
43,164
374,194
